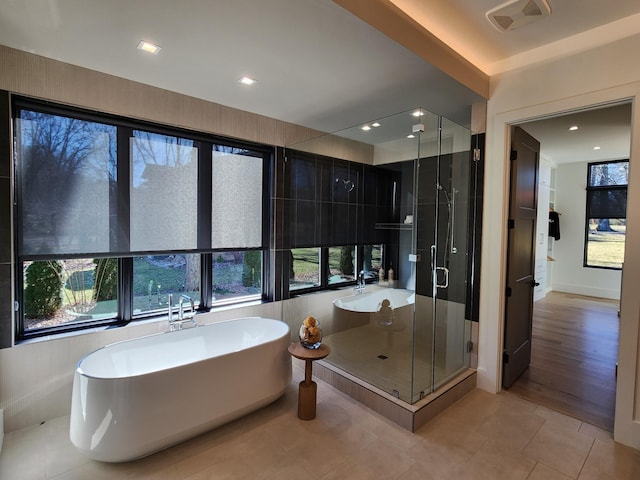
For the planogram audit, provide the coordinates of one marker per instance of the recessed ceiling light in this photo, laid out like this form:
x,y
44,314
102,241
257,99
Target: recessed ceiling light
x,y
573,128
375,124
417,113
411,135
596,148
366,128
247,80
148,47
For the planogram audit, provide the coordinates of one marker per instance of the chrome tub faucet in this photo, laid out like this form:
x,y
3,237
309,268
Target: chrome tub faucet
x,y
176,324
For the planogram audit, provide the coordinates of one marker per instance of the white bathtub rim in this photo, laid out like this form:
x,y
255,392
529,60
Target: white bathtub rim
x,y
79,371
381,294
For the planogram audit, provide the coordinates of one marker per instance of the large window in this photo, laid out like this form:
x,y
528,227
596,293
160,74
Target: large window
x,y
606,214
113,215
339,265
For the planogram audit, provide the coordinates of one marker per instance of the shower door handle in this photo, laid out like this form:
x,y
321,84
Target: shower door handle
x,y
452,225
445,270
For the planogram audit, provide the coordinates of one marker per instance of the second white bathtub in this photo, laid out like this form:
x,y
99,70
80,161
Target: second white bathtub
x,y
371,301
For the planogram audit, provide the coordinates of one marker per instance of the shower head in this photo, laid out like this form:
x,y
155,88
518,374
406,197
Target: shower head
x,y
444,190
348,184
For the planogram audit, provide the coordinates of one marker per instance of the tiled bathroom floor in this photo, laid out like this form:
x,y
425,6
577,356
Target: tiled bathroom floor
x,y
482,436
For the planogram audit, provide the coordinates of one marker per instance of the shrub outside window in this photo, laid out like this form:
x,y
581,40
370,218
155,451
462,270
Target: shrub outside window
x,y
305,268
341,265
236,274
372,258
606,214
68,292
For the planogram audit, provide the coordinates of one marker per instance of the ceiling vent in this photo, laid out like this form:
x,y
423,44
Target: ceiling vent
x,y
515,13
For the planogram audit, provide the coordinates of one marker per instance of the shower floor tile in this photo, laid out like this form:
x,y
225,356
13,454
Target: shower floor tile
x,y
382,358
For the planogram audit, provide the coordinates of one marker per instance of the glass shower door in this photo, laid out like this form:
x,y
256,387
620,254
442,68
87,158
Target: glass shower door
x,y
451,253
442,245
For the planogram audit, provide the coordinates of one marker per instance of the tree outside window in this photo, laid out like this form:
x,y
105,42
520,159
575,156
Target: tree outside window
x,y
606,214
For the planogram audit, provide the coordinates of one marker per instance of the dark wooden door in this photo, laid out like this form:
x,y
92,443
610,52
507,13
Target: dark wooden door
x,y
525,152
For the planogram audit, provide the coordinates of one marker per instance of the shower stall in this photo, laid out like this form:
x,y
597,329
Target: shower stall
x,y
412,201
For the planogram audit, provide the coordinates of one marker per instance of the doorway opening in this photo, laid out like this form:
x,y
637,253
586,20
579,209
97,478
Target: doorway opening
x,y
575,311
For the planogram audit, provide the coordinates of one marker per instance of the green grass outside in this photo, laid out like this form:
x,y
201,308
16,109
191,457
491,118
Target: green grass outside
x,y
606,249
152,284
306,263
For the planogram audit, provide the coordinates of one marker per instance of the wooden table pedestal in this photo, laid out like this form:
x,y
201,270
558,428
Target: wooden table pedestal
x,y
308,389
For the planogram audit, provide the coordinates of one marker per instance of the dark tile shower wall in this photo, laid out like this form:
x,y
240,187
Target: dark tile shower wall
x,y
5,222
467,233
331,202
397,238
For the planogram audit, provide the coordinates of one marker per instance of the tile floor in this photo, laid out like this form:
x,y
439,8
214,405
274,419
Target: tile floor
x,y
482,436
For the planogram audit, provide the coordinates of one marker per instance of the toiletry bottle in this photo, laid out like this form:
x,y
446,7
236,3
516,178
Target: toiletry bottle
x,y
381,275
390,274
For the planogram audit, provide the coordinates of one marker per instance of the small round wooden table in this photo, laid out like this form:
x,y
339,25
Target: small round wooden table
x,y
307,389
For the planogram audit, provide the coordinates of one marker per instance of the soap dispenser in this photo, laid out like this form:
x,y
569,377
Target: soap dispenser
x,y
391,274
381,274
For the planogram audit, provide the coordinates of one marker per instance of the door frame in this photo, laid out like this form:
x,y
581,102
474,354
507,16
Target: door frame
x,y
494,241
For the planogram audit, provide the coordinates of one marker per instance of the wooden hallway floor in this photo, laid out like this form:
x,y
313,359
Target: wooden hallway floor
x,y
573,358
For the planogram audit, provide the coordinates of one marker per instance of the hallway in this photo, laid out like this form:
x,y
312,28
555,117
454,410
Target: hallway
x,y
573,359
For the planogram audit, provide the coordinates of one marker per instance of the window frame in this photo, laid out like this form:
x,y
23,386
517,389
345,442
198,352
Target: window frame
x,y
124,130
324,270
602,188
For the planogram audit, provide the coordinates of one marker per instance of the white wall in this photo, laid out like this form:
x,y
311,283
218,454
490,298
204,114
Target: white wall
x,y
569,274
595,77
543,266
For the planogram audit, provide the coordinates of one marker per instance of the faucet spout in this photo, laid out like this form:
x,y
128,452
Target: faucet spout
x,y
360,282
170,308
176,324
181,308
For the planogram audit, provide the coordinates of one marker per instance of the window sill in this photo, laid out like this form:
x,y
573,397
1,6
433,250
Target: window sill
x,y
134,323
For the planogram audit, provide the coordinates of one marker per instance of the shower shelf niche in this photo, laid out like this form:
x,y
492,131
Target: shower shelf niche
x,y
394,226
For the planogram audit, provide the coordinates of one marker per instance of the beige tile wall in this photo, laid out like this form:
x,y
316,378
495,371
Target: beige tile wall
x,y
32,75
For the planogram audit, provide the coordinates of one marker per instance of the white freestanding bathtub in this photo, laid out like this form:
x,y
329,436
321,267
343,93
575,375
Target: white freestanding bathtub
x,y
139,396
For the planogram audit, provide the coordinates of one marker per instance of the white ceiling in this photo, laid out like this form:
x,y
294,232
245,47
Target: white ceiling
x,y
316,64
573,25
608,128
